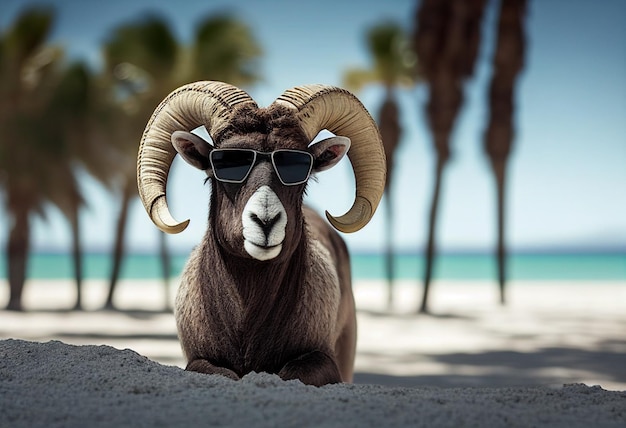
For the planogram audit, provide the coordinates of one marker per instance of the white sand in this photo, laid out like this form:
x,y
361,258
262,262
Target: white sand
x,y
518,356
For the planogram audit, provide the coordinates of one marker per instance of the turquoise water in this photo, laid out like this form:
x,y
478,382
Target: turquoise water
x,y
407,266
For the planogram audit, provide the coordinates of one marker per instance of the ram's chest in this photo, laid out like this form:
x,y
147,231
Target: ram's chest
x,y
216,323
303,319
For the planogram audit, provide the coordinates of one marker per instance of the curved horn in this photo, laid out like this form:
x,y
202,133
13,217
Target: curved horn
x,y
326,107
186,108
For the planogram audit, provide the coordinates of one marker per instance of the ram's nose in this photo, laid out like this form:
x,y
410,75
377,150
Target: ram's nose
x,y
264,220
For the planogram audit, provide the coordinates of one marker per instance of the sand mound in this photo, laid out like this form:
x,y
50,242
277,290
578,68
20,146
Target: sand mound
x,y
54,384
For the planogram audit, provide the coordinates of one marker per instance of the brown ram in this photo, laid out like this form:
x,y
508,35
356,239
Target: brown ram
x,y
269,287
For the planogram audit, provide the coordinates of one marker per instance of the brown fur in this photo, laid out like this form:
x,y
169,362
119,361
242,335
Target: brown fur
x,y
293,315
245,315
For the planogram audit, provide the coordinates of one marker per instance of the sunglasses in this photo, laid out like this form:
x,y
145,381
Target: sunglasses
x,y
292,167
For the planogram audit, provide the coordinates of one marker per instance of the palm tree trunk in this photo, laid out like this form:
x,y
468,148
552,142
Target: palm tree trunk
x,y
390,131
432,226
18,247
118,249
508,62
499,169
77,256
166,268
389,266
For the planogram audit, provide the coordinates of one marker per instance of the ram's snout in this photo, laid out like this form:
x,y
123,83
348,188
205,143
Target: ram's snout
x,y
264,220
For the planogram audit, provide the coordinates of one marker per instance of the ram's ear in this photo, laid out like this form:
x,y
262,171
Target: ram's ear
x,y
193,149
328,152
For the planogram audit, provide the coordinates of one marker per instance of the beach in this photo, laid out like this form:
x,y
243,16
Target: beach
x,y
549,334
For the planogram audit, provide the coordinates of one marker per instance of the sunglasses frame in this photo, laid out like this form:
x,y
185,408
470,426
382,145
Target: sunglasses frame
x,y
257,154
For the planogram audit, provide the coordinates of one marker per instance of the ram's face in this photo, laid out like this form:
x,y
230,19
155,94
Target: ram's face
x,y
259,169
260,218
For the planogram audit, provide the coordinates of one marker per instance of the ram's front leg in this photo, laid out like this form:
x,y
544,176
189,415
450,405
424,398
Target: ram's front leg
x,y
204,366
314,368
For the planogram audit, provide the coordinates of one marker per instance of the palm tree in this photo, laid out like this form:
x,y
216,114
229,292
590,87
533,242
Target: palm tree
x,y
144,62
507,63
42,120
446,39
25,66
69,111
393,66
130,51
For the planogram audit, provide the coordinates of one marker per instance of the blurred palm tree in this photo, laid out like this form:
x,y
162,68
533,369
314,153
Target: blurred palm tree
x,y
23,61
393,66
70,110
143,63
43,112
507,63
129,53
446,39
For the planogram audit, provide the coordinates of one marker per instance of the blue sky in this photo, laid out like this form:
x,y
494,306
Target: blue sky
x,y
567,175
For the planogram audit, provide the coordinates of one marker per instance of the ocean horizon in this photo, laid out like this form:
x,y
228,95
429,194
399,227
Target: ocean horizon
x,y
407,266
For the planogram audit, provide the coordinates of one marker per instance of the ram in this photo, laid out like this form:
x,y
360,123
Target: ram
x,y
268,289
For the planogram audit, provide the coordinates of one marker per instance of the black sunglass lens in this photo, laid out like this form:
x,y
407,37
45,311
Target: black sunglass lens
x,y
232,165
292,167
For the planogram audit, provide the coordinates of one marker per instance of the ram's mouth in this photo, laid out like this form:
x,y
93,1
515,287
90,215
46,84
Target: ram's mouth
x,y
265,247
262,252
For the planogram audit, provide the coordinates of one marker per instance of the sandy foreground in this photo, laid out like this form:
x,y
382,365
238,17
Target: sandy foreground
x,y
471,362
